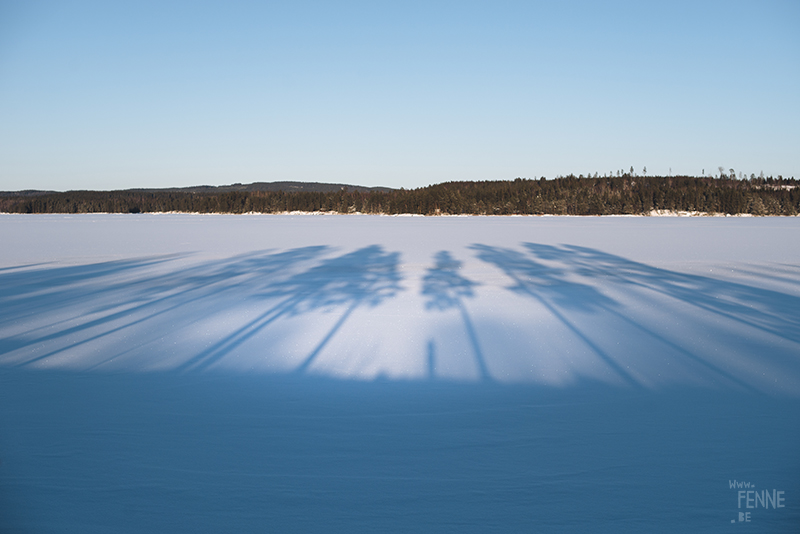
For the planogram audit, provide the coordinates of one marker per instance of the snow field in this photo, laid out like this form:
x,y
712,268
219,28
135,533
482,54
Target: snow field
x,y
296,373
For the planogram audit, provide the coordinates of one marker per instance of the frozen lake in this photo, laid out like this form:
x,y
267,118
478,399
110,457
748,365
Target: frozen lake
x,y
191,373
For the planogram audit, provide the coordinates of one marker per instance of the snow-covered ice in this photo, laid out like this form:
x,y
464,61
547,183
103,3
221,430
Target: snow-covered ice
x,y
191,373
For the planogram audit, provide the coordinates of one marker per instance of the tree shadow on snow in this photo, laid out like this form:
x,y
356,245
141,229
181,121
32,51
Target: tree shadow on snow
x,y
773,312
365,277
143,452
121,303
446,289
564,281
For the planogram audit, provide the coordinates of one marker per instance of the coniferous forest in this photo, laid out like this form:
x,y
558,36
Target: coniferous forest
x,y
571,195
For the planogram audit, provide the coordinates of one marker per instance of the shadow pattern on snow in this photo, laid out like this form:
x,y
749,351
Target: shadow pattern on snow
x,y
365,277
64,308
446,289
773,312
554,277
192,452
551,289
122,295
92,316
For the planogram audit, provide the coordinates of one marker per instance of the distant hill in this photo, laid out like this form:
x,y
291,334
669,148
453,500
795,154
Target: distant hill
x,y
289,187
27,193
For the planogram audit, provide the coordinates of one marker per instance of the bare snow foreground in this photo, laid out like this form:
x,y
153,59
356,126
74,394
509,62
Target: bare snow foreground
x,y
189,373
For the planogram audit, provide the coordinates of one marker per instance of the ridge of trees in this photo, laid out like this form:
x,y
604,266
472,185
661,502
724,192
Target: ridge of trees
x,y
570,195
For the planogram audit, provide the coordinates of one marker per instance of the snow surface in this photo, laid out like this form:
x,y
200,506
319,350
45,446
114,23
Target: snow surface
x,y
191,373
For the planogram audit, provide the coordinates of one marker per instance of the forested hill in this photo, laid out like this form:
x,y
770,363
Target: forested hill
x,y
314,187
562,196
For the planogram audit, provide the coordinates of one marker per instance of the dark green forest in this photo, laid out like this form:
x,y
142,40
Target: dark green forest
x,y
569,195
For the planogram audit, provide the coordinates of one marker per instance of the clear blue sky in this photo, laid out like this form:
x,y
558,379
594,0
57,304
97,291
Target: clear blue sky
x,y
111,95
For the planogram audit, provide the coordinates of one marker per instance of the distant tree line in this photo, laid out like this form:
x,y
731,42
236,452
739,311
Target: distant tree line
x,y
570,195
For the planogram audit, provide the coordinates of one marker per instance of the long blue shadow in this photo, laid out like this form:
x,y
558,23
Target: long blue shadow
x,y
141,296
554,292
445,288
365,277
551,277
770,311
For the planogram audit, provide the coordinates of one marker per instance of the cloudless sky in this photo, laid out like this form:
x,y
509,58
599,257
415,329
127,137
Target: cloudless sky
x,y
113,95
